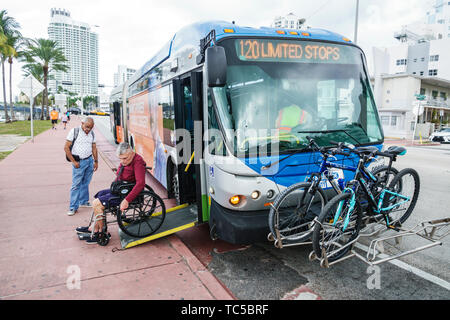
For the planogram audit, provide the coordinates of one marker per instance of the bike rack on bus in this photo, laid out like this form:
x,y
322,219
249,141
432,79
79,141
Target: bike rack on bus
x,y
433,231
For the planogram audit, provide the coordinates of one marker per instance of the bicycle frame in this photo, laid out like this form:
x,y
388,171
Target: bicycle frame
x,y
316,178
363,173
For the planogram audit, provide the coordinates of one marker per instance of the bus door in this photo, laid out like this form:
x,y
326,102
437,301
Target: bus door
x,y
117,122
188,110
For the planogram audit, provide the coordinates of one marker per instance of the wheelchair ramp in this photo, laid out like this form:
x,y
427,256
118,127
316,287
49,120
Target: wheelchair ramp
x,y
177,219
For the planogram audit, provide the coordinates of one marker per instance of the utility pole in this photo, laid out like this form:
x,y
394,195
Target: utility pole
x,y
356,22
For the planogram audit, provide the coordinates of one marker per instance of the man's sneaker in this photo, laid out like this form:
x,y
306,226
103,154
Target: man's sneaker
x,y
86,205
71,212
82,230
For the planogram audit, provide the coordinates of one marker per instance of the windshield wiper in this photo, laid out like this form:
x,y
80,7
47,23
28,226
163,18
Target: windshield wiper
x,y
336,130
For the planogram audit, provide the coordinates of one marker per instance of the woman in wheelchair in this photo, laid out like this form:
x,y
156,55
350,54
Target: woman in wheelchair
x,y
131,169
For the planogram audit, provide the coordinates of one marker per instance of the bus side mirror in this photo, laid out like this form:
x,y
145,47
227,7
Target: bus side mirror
x,y
216,66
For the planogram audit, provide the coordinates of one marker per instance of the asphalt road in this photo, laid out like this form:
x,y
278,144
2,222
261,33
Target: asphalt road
x,y
262,271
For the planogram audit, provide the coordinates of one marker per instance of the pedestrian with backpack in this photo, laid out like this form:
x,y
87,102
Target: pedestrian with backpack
x,y
81,151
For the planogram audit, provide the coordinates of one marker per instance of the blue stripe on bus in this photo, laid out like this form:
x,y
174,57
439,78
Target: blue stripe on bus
x,y
296,168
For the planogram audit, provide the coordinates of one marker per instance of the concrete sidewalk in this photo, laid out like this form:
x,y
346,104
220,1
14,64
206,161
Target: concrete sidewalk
x,y
410,143
41,256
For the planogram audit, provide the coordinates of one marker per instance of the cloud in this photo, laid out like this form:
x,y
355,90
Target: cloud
x,y
132,31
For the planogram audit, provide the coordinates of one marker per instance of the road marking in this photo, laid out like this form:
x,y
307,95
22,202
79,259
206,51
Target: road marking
x,y
301,293
423,274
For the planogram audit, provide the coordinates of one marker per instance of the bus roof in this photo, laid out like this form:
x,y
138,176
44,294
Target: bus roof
x,y
190,36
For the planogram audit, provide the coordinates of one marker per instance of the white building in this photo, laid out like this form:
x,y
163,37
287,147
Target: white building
x,y
427,58
435,26
123,74
440,16
418,65
80,47
290,21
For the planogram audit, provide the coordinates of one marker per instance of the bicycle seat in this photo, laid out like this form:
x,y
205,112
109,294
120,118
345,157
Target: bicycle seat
x,y
367,150
398,151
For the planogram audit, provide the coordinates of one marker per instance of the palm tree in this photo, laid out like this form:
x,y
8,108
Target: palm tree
x,y
3,48
8,27
15,41
50,57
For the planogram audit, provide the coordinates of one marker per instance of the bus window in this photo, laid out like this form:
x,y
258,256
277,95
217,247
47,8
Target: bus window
x,y
165,103
326,96
215,144
189,124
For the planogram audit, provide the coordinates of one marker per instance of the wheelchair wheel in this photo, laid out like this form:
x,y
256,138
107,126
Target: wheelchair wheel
x,y
144,216
103,238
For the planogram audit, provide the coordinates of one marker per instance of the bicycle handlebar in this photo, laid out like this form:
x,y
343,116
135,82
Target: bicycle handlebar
x,y
333,151
353,149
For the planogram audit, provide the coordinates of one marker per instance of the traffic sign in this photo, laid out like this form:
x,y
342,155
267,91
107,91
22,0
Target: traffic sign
x,y
31,86
417,108
420,97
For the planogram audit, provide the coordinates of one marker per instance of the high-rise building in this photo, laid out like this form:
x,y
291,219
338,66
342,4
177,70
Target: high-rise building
x,y
123,74
290,21
80,47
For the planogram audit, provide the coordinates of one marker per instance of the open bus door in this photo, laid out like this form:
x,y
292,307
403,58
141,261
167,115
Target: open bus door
x,y
187,92
189,111
116,124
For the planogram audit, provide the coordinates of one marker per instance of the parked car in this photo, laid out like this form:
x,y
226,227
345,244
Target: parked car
x,y
98,113
74,110
442,136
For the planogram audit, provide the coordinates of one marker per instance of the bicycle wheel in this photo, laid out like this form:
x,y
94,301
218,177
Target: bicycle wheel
x,y
144,216
407,184
294,210
334,238
384,178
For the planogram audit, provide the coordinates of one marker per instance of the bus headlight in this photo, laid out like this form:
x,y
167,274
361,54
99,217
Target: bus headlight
x,y
255,195
270,194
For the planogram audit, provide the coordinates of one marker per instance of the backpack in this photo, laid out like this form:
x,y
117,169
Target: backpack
x,y
75,136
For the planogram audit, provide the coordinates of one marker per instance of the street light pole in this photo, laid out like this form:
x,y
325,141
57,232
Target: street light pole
x,y
356,21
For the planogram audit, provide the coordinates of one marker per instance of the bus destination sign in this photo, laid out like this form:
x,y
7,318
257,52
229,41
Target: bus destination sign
x,y
295,51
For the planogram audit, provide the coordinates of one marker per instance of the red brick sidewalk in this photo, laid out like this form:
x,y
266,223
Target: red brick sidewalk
x,y
42,258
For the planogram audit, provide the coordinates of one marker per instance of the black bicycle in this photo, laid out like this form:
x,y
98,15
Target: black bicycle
x,y
293,212
337,227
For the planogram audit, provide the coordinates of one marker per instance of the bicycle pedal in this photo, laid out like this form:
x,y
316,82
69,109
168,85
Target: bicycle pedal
x,y
393,227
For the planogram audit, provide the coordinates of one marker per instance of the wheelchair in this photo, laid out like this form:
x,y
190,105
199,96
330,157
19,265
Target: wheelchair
x,y
144,216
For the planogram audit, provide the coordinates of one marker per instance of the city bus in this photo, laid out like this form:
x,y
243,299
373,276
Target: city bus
x,y
206,113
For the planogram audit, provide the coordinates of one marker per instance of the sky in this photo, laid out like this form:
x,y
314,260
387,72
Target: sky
x,y
131,32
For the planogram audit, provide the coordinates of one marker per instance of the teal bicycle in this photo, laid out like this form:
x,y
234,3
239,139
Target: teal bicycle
x,y
337,227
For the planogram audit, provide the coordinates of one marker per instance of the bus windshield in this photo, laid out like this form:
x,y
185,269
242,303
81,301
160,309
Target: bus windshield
x,y
282,91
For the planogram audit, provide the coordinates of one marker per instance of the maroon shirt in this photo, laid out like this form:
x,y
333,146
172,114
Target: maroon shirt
x,y
134,172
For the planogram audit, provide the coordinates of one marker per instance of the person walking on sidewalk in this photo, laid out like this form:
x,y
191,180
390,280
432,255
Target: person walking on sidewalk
x,y
54,117
84,158
64,120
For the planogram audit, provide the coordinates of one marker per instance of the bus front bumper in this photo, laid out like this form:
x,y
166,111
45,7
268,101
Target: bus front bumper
x,y
239,227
